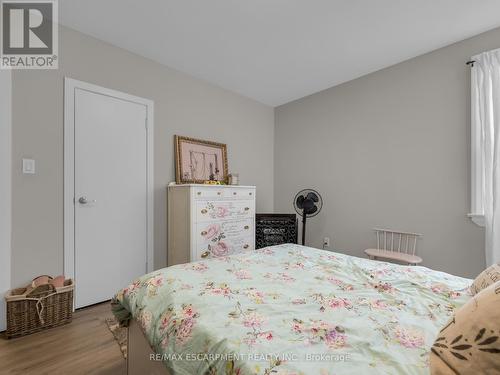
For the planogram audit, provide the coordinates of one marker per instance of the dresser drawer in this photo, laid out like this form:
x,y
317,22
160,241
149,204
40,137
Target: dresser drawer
x,y
208,192
239,193
224,238
223,192
224,210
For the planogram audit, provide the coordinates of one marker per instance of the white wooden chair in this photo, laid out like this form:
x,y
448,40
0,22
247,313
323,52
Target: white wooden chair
x,y
394,245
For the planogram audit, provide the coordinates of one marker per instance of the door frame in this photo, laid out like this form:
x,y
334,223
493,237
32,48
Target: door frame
x,y
70,86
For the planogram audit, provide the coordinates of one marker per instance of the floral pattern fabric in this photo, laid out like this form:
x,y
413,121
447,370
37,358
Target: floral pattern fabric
x,y
290,309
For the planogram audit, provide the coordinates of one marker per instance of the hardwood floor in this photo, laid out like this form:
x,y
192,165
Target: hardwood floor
x,y
85,346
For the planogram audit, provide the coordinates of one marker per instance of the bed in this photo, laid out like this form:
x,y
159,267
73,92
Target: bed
x,y
287,309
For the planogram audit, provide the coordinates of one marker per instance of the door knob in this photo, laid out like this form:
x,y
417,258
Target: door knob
x,y
83,200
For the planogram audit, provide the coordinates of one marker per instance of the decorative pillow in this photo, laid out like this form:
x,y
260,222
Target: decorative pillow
x,y
469,344
489,276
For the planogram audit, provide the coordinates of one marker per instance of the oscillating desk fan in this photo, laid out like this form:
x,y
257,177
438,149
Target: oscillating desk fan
x,y
307,203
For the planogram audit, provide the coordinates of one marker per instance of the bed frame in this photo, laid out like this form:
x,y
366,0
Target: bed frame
x,y
139,352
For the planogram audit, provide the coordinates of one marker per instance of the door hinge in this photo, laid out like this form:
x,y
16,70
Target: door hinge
x,y
146,123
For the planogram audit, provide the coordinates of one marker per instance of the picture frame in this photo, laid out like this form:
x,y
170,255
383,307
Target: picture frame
x,y
198,160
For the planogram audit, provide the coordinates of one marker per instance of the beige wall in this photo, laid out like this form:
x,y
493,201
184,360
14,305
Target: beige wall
x,y
5,188
390,149
183,105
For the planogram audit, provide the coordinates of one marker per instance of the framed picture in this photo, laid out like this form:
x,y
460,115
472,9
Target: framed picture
x,y
197,161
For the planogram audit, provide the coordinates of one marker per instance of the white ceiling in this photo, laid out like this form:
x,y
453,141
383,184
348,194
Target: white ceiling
x,y
275,51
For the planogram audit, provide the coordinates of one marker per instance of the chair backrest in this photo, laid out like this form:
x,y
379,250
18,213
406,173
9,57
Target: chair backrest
x,y
399,242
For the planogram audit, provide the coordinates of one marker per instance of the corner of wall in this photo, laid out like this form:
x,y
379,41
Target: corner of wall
x,y
273,208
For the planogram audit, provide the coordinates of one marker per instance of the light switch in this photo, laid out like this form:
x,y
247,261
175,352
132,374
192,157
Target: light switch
x,y
28,166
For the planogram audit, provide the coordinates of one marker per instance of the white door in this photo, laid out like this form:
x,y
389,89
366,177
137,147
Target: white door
x,y
110,190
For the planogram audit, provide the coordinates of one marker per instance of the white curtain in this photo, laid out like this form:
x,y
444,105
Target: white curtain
x,y
486,112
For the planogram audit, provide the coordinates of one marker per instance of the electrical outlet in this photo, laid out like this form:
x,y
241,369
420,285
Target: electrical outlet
x,y
326,242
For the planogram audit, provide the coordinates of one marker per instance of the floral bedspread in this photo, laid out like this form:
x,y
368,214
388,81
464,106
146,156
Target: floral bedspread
x,y
291,309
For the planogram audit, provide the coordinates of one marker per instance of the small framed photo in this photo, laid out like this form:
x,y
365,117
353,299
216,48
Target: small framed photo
x,y
197,161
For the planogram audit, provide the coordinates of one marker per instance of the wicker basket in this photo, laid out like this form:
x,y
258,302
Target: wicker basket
x,y
31,309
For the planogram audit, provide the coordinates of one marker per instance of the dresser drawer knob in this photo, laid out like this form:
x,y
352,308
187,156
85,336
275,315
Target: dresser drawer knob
x,y
199,193
234,193
250,193
247,227
205,254
245,246
204,211
204,233
247,208
218,193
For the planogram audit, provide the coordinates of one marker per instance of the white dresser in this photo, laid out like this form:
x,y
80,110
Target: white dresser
x,y
206,221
